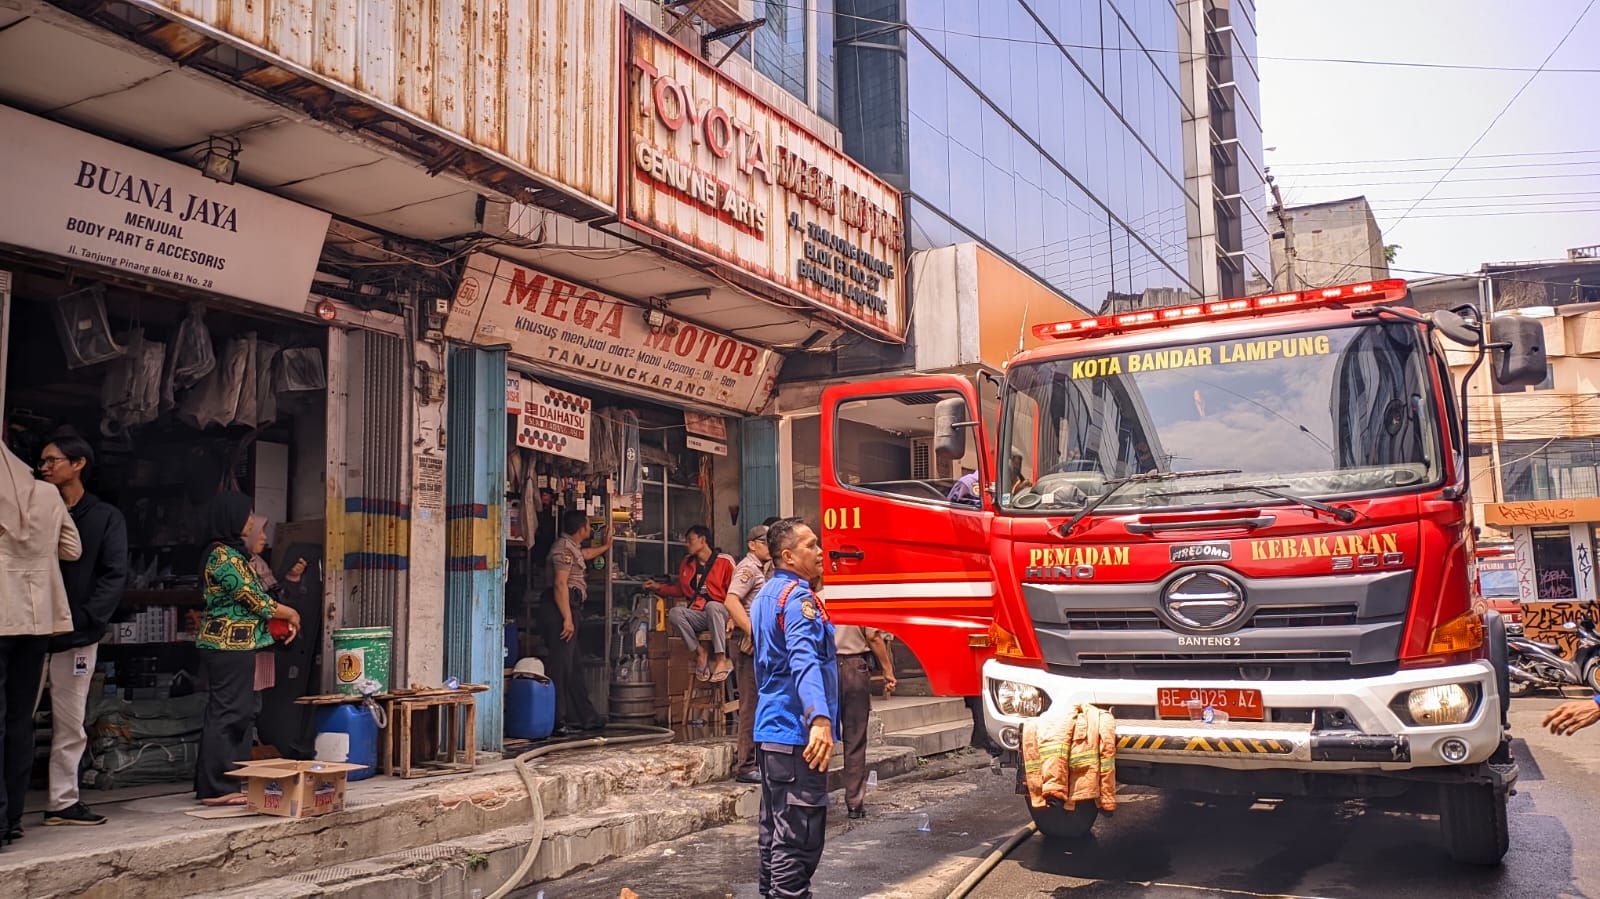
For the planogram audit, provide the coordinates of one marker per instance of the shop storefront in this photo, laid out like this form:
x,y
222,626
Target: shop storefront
x,y
610,408
168,319
1554,563
162,317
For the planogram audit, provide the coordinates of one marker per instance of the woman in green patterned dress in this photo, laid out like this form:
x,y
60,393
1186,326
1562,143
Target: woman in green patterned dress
x,y
233,629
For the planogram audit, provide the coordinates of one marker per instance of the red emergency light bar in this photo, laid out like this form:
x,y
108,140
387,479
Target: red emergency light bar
x,y
1367,292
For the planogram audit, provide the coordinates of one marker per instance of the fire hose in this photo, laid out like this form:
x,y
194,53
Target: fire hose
x,y
648,734
994,858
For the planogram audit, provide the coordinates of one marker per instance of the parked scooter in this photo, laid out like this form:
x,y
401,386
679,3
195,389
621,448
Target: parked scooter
x,y
1534,665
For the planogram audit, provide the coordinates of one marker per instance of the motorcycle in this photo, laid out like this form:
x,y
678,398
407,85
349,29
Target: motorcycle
x,y
1535,665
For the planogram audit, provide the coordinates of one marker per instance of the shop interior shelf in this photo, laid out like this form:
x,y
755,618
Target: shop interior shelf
x,y
162,598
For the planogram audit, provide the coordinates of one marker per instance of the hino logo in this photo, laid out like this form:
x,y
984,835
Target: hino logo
x,y
1204,600
1047,573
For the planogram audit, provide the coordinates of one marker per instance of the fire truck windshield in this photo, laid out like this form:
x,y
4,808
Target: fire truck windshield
x,y
1336,412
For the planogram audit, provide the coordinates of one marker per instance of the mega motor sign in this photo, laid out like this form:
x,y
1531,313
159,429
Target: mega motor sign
x,y
564,326
710,166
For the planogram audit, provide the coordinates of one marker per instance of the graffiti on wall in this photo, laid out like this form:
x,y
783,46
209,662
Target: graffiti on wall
x,y
1542,621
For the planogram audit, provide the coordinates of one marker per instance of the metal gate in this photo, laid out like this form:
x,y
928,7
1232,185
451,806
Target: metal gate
x,y
758,474
475,462
369,489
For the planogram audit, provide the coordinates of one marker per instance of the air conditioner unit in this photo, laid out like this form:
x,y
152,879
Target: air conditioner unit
x,y
925,463
720,13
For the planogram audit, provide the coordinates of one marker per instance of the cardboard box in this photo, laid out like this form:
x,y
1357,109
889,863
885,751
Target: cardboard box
x,y
294,789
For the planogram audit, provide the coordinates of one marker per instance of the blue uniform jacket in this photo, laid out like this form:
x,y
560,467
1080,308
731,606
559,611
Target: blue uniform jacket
x,y
797,667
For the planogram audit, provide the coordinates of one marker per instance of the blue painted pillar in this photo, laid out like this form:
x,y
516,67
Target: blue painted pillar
x,y
475,600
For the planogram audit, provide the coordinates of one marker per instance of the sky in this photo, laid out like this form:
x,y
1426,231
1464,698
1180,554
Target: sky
x,y
1530,190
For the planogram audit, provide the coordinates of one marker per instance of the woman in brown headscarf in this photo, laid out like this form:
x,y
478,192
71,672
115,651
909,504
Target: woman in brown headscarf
x,y
36,533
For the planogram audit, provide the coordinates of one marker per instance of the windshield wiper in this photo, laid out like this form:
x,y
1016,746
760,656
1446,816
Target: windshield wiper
x,y
1344,514
1145,478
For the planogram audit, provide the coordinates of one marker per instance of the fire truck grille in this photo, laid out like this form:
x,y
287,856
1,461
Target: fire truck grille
x,y
1339,615
1335,615
1243,665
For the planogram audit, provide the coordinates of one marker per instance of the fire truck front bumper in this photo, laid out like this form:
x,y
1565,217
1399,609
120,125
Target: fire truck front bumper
x,y
1341,725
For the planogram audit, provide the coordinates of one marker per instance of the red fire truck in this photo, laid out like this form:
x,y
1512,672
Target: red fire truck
x,y
1241,526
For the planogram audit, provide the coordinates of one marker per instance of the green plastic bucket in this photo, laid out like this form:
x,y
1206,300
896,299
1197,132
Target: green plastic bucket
x,y
361,654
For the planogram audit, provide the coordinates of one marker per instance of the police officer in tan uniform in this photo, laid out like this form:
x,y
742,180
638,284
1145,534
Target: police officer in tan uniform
x,y
560,616
748,576
855,644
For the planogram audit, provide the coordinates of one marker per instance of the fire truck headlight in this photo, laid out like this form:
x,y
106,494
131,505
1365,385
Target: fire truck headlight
x,y
1018,700
1443,704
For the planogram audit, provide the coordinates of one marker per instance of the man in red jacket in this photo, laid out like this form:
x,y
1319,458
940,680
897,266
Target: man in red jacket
x,y
703,580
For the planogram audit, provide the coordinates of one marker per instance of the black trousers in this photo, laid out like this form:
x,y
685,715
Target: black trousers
x,y
231,706
21,670
855,707
573,708
794,821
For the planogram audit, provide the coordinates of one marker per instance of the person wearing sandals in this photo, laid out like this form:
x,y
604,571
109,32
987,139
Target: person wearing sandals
x,y
36,534
237,609
703,580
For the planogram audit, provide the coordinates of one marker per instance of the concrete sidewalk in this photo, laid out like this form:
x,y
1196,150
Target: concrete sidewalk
x,y
432,837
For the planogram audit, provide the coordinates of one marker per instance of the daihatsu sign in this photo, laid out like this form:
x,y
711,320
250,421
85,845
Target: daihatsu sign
x,y
711,167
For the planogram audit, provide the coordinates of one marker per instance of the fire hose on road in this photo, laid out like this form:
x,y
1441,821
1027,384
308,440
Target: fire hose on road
x,y
994,858
646,735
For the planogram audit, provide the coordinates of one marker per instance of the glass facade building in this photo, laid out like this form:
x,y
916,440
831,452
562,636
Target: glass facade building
x,y
1051,132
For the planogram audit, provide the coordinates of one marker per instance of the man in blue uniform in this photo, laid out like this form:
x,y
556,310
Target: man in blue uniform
x,y
797,710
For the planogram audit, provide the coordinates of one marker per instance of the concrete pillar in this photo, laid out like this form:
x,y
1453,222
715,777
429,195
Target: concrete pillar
x,y
424,608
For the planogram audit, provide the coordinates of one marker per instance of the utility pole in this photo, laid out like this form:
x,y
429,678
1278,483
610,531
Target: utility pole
x,y
1288,235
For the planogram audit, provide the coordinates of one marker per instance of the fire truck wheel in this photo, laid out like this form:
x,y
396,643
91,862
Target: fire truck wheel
x,y
1472,818
1056,822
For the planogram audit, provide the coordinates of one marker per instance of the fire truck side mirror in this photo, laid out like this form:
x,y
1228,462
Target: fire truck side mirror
x,y
1518,346
951,420
1458,327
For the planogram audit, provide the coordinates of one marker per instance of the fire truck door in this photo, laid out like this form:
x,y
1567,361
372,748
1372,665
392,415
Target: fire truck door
x,y
905,522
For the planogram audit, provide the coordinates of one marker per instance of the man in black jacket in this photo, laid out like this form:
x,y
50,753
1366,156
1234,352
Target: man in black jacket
x,y
94,588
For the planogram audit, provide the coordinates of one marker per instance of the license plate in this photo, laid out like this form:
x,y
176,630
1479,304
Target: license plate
x,y
1191,702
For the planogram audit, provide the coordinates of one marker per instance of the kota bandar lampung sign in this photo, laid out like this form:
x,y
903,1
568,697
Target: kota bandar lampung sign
x,y
712,167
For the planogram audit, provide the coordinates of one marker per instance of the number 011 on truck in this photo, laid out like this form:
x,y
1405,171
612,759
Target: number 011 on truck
x,y
1243,527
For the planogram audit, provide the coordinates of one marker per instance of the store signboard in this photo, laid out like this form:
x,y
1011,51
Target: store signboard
x,y
712,167
565,327
98,202
514,388
713,426
702,445
706,433
553,421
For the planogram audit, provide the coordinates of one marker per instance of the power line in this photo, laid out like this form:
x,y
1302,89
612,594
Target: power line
x,y
1183,54
1488,128
1443,203
1435,168
1436,183
1435,158
1496,276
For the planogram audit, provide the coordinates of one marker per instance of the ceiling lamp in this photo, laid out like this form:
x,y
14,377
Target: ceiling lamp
x,y
220,161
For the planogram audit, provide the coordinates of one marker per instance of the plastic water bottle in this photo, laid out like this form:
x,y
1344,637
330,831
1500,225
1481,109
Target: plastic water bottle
x,y
923,825
872,779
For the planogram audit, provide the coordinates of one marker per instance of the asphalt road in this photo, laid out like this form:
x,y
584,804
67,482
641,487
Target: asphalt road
x,y
1160,846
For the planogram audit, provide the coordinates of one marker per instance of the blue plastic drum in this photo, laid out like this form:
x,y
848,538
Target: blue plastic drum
x,y
348,733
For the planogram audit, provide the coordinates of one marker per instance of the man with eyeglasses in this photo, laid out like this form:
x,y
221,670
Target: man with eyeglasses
x,y
94,585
